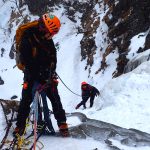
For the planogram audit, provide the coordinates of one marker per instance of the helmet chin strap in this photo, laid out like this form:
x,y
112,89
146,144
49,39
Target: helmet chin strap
x,y
48,36
41,24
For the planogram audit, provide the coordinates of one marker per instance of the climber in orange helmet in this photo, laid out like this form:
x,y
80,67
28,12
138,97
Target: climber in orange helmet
x,y
38,58
88,91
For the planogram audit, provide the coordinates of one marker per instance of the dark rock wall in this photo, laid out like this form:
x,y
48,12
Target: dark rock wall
x,y
88,26
37,7
128,18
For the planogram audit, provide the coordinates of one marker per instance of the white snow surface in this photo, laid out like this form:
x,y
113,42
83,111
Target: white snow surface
x,y
124,101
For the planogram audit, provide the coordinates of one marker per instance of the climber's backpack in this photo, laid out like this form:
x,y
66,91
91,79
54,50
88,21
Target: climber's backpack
x,y
19,33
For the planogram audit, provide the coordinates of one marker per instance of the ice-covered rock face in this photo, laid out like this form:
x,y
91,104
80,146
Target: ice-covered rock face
x,y
128,18
108,133
136,61
124,19
111,23
98,130
106,28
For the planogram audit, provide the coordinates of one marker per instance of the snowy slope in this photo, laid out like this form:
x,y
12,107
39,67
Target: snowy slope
x,y
124,101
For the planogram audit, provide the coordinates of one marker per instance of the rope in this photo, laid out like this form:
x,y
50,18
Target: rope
x,y
67,86
40,147
4,112
9,124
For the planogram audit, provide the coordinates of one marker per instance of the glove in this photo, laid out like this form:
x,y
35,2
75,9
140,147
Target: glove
x,y
98,93
54,76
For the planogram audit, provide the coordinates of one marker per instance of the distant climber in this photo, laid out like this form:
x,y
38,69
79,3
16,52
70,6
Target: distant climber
x,y
88,91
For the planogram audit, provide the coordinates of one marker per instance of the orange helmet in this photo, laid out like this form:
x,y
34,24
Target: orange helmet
x,y
83,83
52,23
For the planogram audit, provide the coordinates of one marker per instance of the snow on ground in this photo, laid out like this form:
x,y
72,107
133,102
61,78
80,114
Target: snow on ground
x,y
124,101
72,144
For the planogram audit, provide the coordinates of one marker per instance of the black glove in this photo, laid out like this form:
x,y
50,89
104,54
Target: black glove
x,y
54,76
98,93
